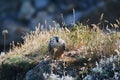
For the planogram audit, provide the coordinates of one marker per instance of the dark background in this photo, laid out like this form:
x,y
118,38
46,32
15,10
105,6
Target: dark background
x,y
19,16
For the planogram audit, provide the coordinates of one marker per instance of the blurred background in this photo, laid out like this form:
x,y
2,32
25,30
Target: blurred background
x,y
20,16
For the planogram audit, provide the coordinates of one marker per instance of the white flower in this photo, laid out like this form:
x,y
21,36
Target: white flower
x,y
67,78
54,77
2,54
102,62
116,76
111,58
46,75
88,77
97,69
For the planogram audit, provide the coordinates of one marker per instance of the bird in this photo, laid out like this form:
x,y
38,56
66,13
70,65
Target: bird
x,y
56,47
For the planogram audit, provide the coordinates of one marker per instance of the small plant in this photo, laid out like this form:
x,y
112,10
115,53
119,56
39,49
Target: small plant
x,y
16,67
4,33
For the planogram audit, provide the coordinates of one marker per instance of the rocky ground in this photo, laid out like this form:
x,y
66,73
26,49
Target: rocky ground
x,y
72,68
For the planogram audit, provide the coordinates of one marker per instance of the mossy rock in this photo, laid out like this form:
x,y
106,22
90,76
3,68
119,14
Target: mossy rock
x,y
15,67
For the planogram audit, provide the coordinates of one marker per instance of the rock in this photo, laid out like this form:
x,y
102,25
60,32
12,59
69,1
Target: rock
x,y
50,69
31,75
110,13
65,4
26,11
37,72
71,19
41,3
72,72
108,70
43,18
52,9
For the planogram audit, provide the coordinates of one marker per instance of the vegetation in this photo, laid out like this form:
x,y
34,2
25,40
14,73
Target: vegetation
x,y
90,41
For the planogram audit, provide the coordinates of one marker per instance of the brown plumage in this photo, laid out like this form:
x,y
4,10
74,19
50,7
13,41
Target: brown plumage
x,y
56,47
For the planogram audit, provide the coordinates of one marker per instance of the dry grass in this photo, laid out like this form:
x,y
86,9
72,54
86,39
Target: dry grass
x,y
79,37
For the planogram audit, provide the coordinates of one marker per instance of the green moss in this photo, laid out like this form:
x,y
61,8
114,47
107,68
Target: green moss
x,y
15,68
